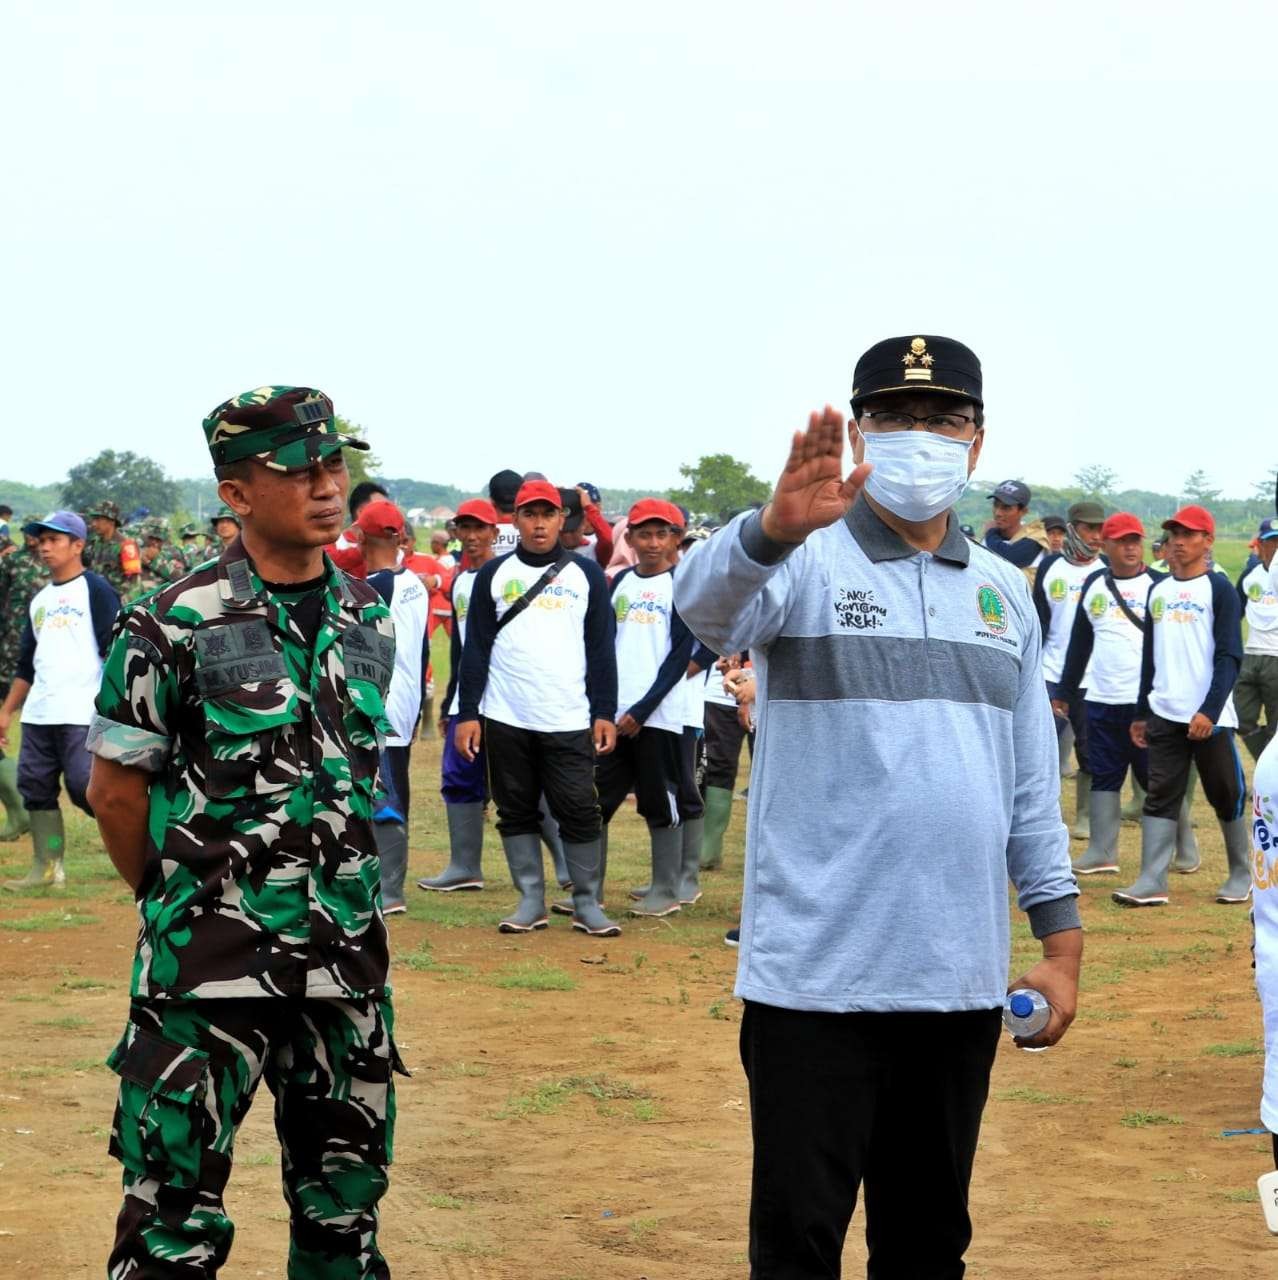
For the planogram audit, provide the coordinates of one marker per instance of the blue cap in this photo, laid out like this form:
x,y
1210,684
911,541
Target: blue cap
x,y
590,489
58,522
1268,528
1021,1005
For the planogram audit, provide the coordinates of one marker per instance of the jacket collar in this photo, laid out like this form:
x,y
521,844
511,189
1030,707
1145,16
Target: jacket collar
x,y
879,542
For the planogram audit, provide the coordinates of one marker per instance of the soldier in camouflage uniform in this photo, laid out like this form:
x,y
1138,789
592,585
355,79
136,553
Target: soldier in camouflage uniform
x,y
108,549
226,525
236,752
22,574
162,562
188,545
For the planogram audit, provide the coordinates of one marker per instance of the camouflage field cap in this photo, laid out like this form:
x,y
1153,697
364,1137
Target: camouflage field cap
x,y
287,428
155,529
188,530
108,510
223,513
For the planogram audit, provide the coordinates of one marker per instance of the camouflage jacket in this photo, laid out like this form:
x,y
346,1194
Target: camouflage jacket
x,y
168,565
22,574
102,555
262,875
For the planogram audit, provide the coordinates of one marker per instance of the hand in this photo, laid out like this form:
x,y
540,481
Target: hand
x,y
628,726
605,737
725,665
1200,727
5,718
585,498
467,737
1056,977
1137,732
1060,708
744,718
443,726
812,492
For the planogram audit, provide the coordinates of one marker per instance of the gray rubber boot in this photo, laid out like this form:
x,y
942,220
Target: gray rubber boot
x,y
1237,887
586,865
551,839
523,855
566,906
392,853
1101,855
689,879
662,898
1082,828
1187,859
1135,807
1064,745
1157,844
465,850
17,821
1191,787
49,840
718,802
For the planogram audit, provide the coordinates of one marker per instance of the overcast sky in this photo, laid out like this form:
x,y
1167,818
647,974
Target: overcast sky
x,y
599,241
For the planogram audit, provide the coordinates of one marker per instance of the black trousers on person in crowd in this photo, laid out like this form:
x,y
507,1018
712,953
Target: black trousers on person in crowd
x,y
889,1100
691,745
723,746
525,764
651,765
1171,753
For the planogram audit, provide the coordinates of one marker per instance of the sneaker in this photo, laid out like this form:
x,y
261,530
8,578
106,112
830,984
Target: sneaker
x,y
732,938
394,909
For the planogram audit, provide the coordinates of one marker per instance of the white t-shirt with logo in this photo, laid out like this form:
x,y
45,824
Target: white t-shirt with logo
x,y
1257,588
68,664
507,539
1182,616
1061,585
1113,675
644,609
409,606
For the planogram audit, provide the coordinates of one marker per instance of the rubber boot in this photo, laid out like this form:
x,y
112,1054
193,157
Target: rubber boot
x,y
718,804
552,841
392,853
566,906
1191,786
1064,745
662,898
1157,844
523,855
49,840
1082,829
465,850
689,880
1237,887
586,865
17,821
1133,809
1187,859
1101,855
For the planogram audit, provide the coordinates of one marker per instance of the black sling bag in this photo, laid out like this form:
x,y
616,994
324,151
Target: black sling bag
x,y
1138,623
535,590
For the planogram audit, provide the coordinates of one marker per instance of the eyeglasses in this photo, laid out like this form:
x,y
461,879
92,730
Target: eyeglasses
x,y
941,424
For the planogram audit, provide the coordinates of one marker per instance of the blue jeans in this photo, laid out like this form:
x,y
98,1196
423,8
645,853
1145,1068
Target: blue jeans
x,y
1110,749
49,753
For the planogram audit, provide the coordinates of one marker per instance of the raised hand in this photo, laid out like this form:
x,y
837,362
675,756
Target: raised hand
x,y
812,492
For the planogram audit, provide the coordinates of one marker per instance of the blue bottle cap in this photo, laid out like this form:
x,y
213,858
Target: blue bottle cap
x,y
1021,1005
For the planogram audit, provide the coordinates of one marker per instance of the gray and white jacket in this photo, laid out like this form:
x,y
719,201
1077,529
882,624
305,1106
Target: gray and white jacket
x,y
905,766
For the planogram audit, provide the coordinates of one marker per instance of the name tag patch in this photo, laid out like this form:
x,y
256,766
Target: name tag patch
x,y
236,654
368,655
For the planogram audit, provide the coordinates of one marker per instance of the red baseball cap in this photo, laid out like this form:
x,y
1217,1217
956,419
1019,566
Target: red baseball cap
x,y
1120,524
538,491
381,519
654,509
477,509
1192,517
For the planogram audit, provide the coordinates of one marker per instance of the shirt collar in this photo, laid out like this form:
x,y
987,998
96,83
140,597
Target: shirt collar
x,y
241,588
879,542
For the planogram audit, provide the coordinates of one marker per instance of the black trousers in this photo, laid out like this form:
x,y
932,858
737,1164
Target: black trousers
x,y
651,765
893,1100
1171,753
691,804
723,746
524,765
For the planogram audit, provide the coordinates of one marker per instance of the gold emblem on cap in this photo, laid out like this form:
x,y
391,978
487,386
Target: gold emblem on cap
x,y
917,362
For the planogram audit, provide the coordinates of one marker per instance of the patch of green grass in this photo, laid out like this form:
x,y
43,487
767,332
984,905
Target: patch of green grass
x,y
721,1009
644,1110
458,1070
544,1100
1126,1062
82,984
1040,1097
1147,1119
445,1202
44,921
1102,1223
642,1228
68,1022
1242,1195
1212,1013
421,961
601,1087
549,1096
258,1159
1235,1049
88,1064
1094,976
1103,1015
638,960
534,976
602,1042
34,1073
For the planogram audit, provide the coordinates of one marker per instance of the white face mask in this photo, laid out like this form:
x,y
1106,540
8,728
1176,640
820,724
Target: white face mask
x,y
917,474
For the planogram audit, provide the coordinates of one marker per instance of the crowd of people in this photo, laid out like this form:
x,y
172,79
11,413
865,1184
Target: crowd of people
x,y
237,708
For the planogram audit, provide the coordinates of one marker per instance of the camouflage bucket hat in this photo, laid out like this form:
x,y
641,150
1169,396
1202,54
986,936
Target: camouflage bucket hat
x,y
223,513
108,510
188,530
287,428
155,529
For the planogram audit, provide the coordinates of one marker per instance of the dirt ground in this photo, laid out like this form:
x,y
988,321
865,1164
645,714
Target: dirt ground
x,y
577,1109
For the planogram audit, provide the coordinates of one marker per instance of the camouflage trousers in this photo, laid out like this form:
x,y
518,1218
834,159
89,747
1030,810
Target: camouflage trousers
x,y
188,1071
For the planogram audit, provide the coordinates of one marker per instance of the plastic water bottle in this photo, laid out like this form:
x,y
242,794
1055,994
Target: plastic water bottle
x,y
1026,1012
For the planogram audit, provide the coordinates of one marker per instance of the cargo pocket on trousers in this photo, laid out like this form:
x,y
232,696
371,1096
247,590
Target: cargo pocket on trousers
x,y
160,1121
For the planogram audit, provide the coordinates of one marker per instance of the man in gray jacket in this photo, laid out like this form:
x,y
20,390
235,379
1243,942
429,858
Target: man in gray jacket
x,y
874,928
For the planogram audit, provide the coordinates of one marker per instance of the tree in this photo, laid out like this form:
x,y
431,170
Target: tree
x,y
362,466
718,485
124,478
1197,487
1096,480
1266,486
